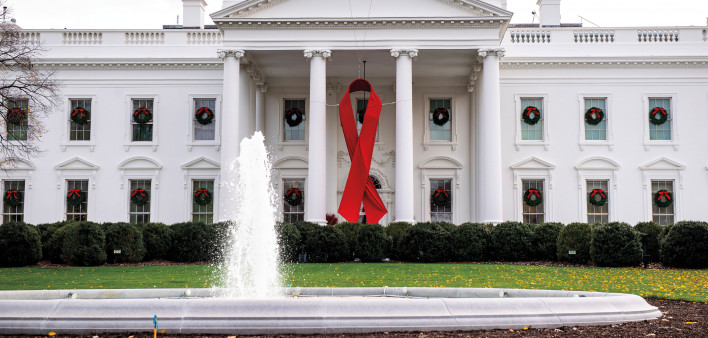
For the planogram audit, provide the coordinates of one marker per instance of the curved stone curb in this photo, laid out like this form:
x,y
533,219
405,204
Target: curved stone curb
x,y
312,310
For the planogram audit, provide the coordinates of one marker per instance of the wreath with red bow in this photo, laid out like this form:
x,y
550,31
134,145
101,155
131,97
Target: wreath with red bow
x,y
293,197
13,198
80,115
204,115
663,198
531,115
533,197
594,116
598,197
441,116
202,196
139,197
441,198
75,197
142,115
17,115
293,117
658,116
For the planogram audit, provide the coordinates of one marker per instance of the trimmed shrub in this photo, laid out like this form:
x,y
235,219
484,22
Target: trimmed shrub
x,y
350,231
395,230
470,242
126,237
425,242
20,245
84,244
217,239
512,241
653,232
686,245
158,241
545,238
372,243
190,242
289,240
325,244
574,237
51,249
615,244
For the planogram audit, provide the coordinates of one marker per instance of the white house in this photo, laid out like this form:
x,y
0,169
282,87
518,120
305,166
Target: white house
x,y
455,78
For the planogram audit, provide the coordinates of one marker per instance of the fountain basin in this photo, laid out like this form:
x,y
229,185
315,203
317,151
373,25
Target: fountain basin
x,y
313,310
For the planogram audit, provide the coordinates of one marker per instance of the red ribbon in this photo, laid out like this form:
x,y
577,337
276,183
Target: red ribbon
x,y
533,191
658,110
79,110
359,187
74,191
295,191
12,193
530,110
595,112
141,110
140,191
441,191
203,110
598,191
663,193
439,112
201,191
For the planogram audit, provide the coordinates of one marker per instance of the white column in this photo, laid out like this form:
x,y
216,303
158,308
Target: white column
x,y
316,192
245,111
260,107
404,134
489,186
230,138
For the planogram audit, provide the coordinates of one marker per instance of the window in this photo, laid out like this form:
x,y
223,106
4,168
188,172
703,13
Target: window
x,y
662,131
533,214
203,213
362,214
140,213
361,107
14,213
662,216
597,214
532,132
293,213
440,132
440,212
77,212
599,131
204,132
142,132
80,132
294,133
18,131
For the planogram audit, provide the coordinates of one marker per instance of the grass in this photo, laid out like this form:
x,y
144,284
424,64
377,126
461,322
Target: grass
x,y
689,285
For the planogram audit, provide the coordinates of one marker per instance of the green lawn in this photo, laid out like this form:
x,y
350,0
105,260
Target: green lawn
x,y
670,283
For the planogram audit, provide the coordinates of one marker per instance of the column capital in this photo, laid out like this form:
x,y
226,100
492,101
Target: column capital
x,y
224,53
412,52
262,87
324,53
483,53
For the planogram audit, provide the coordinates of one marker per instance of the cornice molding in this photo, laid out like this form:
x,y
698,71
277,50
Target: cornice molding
x,y
364,23
130,65
582,64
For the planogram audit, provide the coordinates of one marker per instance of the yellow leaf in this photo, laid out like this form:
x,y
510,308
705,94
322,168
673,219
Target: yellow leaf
x,y
52,333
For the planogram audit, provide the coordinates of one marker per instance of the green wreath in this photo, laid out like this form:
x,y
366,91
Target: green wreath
x,y
531,115
13,198
17,115
594,116
142,115
293,196
75,197
139,197
441,198
663,198
80,115
202,196
533,197
441,116
204,115
293,117
658,116
597,197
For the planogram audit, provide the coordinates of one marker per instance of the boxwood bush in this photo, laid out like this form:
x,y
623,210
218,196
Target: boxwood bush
x,y
289,241
615,244
191,242
395,230
326,244
350,231
470,242
158,241
512,241
372,243
545,239
574,237
20,245
126,237
653,232
425,242
84,244
51,247
685,245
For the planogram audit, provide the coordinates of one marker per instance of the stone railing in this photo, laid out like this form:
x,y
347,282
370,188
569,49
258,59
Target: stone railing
x,y
661,35
534,36
204,38
82,38
166,37
593,35
617,35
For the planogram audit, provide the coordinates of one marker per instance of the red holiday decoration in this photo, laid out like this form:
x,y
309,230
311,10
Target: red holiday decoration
x,y
658,115
441,197
598,197
202,196
142,115
13,197
293,196
533,197
75,197
663,198
139,196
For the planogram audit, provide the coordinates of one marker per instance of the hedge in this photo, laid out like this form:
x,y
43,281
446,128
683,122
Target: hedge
x,y
425,242
289,241
471,242
20,245
653,232
512,241
615,244
545,241
158,241
395,230
124,243
685,245
84,244
573,243
372,243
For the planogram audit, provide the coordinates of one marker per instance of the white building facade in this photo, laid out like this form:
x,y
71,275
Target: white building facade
x,y
270,60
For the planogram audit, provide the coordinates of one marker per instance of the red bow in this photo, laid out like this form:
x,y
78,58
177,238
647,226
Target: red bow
x,y
658,110
596,112
77,111
663,193
74,191
295,191
202,191
141,110
138,191
12,193
203,110
598,191
439,112
533,191
441,191
530,110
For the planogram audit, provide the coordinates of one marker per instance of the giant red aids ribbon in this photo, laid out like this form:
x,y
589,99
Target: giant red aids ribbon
x,y
359,187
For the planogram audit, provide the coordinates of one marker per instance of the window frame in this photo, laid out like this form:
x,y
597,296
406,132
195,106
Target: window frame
x,y
663,169
136,168
281,120
427,142
673,120
66,130
129,143
190,141
281,191
214,200
430,193
201,168
545,103
534,168
23,214
27,129
87,201
544,195
152,198
441,167
609,134
598,169
651,196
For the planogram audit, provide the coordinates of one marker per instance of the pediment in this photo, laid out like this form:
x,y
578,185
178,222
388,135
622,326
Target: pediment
x,y
201,163
291,162
291,9
76,163
663,163
597,163
139,162
441,162
533,163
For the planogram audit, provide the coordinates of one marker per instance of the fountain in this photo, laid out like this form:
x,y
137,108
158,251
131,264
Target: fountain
x,y
250,301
